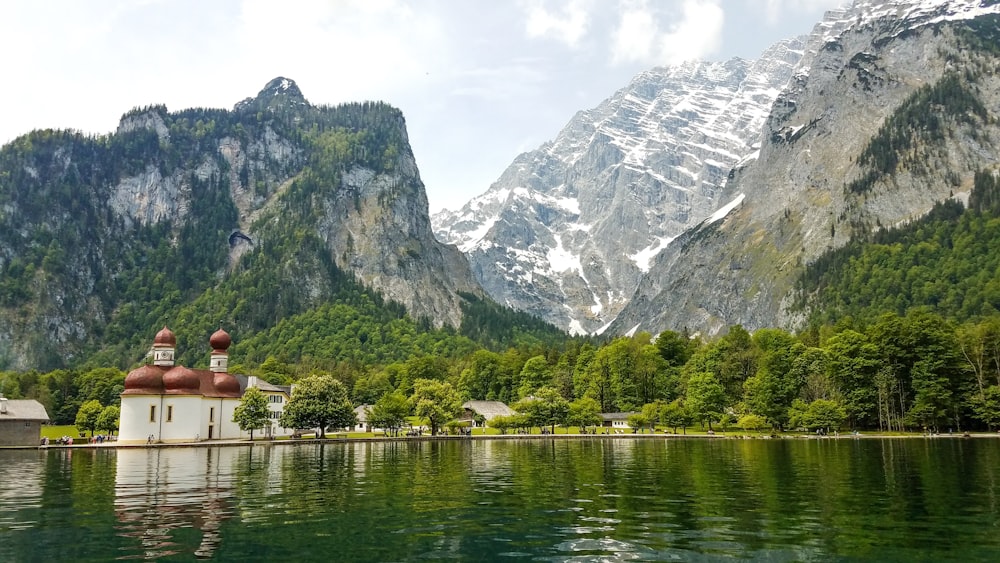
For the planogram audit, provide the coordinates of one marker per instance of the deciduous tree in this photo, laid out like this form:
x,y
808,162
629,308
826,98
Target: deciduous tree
x,y
436,401
86,417
252,412
318,401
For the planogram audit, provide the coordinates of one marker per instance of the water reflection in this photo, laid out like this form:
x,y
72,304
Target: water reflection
x,y
20,488
594,499
161,491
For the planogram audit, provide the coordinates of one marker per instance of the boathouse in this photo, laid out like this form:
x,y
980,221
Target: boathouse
x,y
21,422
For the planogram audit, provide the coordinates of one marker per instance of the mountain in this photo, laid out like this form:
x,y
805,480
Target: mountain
x,y
245,217
893,108
569,229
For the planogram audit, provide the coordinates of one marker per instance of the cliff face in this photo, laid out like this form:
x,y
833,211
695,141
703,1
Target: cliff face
x,y
569,229
893,107
97,230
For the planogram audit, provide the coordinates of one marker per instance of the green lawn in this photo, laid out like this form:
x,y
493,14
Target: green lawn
x,y
56,432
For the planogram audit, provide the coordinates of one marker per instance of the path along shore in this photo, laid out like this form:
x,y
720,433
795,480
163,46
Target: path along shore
x,y
629,436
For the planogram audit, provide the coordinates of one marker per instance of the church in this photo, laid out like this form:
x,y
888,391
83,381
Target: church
x,y
167,403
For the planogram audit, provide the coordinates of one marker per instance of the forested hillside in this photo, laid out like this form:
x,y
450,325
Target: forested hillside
x,y
947,262
244,218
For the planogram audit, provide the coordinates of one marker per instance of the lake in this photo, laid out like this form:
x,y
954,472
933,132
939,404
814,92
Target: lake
x,y
608,499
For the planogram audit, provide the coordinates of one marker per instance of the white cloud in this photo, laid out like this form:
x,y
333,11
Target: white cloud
x,y
368,49
647,34
773,10
565,22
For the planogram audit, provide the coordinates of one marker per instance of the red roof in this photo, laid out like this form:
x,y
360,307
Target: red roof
x,y
164,338
179,380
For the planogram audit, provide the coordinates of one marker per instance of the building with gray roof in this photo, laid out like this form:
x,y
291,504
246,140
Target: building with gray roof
x,y
21,422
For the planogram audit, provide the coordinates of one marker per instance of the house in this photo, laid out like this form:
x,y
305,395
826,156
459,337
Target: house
x,y
361,412
167,403
277,398
483,410
615,420
21,422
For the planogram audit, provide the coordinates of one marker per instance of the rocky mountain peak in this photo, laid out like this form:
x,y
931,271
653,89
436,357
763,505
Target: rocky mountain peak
x,y
568,229
279,92
809,188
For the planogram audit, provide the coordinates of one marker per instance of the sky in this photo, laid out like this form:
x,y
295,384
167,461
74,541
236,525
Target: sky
x,y
478,81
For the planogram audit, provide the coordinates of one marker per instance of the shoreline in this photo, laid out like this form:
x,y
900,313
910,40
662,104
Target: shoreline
x,y
638,436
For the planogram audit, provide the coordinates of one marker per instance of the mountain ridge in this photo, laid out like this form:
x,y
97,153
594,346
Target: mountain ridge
x,y
871,70
107,233
548,238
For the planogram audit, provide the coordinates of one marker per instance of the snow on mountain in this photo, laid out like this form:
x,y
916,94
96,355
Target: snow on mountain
x,y
568,229
861,65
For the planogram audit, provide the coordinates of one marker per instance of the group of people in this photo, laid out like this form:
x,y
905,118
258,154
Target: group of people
x,y
62,441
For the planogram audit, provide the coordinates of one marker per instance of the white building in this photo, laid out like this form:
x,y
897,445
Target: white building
x,y
277,398
167,403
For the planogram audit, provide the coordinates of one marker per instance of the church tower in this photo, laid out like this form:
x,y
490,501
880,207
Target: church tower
x,y
164,345
219,341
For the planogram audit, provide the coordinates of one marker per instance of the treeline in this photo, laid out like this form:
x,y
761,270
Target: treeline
x,y
897,373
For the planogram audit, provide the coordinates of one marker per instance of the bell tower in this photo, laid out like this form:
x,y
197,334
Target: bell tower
x,y
164,345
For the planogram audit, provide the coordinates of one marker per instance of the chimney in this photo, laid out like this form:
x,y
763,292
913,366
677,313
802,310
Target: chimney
x,y
3,405
251,381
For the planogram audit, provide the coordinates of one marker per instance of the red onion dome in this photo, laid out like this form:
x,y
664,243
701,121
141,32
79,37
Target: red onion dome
x,y
181,380
165,338
226,384
144,380
220,341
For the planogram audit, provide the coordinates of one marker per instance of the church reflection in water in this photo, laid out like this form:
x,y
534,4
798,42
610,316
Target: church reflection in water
x,y
165,497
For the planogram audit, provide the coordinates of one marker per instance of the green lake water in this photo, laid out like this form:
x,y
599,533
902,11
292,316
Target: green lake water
x,y
604,499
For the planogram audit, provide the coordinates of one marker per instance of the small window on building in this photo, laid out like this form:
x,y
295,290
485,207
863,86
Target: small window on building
x,y
170,413
152,413
211,414
27,424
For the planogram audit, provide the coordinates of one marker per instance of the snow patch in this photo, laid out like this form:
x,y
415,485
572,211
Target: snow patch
x,y
644,258
725,209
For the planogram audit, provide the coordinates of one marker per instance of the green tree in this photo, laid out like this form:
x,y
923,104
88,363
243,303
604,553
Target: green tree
x,y
483,377
821,413
584,412
436,401
752,422
535,374
546,408
652,413
675,415
503,423
853,362
368,389
252,412
107,421
102,384
637,421
770,391
705,398
318,401
933,396
390,412
734,359
86,417
675,348
986,407
597,380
